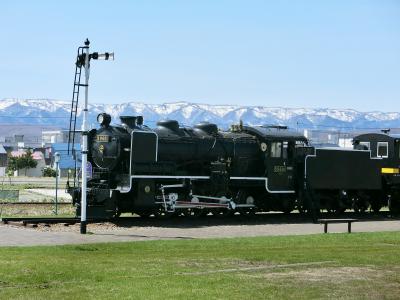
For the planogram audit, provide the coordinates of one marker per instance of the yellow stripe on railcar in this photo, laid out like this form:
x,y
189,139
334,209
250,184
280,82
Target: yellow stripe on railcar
x,y
390,170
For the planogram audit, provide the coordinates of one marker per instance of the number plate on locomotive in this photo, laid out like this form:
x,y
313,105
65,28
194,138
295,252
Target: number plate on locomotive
x,y
103,138
279,169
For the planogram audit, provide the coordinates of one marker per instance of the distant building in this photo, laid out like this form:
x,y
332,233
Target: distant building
x,y
322,136
46,153
58,136
20,141
346,142
3,161
31,172
29,134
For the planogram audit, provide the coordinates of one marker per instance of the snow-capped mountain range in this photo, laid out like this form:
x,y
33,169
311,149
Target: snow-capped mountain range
x,y
57,113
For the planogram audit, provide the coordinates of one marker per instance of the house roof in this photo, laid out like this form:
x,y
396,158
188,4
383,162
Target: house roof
x,y
67,161
36,155
64,147
17,153
2,150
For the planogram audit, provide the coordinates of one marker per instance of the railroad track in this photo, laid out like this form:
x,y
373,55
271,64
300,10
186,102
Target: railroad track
x,y
34,222
34,203
261,218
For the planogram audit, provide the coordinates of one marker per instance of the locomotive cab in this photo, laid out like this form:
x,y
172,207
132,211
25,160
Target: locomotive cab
x,y
381,145
386,147
280,151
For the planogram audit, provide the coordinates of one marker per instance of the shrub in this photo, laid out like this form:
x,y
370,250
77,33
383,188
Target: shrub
x,y
49,172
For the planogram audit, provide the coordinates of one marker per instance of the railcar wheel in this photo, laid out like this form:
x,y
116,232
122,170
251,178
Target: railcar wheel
x,y
394,206
360,207
376,207
247,212
360,204
117,214
288,205
186,212
224,212
196,212
245,197
300,205
339,210
162,214
144,214
204,212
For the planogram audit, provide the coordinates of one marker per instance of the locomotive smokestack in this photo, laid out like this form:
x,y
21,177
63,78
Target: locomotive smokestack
x,y
139,120
129,121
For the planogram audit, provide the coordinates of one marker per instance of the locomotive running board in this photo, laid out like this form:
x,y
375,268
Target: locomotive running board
x,y
266,185
208,177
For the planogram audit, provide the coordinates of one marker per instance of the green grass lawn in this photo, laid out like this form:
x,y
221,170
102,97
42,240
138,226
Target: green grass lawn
x,y
344,266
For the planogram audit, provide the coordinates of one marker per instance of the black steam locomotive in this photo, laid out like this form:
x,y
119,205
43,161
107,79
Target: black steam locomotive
x,y
174,170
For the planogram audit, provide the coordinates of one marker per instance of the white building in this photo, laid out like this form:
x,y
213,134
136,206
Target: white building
x,y
3,161
346,142
58,136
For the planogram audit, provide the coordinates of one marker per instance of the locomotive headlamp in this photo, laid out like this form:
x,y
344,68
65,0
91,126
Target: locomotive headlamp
x,y
104,119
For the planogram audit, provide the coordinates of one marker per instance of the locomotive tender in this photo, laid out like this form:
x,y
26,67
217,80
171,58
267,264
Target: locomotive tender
x,y
201,169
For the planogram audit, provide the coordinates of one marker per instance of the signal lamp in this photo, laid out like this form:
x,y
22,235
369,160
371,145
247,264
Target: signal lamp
x,y
102,56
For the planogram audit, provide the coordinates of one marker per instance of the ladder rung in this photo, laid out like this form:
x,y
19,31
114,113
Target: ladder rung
x,y
82,84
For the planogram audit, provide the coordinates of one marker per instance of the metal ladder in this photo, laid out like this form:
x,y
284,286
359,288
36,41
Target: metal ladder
x,y
79,64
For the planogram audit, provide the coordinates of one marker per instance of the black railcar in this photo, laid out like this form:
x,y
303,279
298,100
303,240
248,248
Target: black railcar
x,y
385,147
201,169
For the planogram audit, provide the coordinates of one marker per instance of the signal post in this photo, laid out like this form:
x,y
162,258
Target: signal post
x,y
83,60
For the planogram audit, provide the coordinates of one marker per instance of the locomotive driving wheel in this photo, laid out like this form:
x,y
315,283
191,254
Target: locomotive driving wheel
x,y
377,200
117,214
245,197
360,203
161,213
145,214
288,203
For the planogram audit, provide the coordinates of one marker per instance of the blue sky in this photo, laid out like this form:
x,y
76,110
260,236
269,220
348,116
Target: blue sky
x,y
337,54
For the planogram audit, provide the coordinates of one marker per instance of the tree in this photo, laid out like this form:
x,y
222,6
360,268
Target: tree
x,y
25,161
49,172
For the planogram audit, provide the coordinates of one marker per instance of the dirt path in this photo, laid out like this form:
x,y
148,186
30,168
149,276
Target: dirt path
x,y
107,232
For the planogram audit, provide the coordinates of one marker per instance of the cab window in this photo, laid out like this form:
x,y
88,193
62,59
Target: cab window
x,y
382,149
276,149
285,150
365,145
